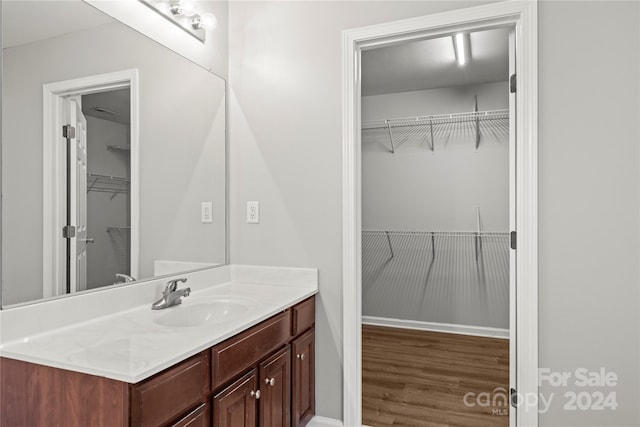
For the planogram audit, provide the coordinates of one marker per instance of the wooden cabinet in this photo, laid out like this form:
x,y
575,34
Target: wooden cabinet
x,y
238,353
261,397
262,377
303,385
235,406
164,397
275,384
200,417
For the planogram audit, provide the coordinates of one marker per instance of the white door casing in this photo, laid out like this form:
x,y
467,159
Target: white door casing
x,y
522,15
55,116
513,289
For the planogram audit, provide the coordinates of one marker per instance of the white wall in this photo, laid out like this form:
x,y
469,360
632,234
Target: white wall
x,y
285,150
182,149
1,183
589,200
285,147
420,189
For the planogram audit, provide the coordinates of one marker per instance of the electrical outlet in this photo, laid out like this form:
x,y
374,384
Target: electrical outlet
x,y
206,212
253,212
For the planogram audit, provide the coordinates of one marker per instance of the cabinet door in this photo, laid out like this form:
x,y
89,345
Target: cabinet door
x,y
200,417
236,405
304,399
275,384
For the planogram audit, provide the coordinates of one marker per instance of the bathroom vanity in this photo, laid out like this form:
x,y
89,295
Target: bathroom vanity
x,y
253,366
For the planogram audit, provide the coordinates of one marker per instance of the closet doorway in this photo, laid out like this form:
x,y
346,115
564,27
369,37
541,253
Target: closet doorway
x,y
522,165
437,208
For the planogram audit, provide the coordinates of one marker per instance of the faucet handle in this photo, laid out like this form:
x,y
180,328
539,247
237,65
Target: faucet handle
x,y
172,285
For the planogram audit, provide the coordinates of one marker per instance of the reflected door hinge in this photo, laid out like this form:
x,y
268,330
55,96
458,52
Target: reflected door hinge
x,y
68,231
514,238
512,83
513,397
68,132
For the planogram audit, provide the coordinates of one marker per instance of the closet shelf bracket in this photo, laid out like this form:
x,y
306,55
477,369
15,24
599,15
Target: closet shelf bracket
x,y
475,110
389,242
393,149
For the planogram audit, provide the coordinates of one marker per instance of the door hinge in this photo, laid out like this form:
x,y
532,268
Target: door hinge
x,y
514,238
513,397
512,83
68,231
68,132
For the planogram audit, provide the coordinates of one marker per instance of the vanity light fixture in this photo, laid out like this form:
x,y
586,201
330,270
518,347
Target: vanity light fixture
x,y
185,15
462,48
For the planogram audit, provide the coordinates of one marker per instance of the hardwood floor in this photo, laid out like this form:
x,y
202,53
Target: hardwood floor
x,y
418,378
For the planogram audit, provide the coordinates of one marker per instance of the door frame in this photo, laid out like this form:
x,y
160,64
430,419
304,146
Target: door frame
x,y
522,15
53,95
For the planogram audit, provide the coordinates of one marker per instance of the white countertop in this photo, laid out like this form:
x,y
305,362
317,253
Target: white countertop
x,y
130,346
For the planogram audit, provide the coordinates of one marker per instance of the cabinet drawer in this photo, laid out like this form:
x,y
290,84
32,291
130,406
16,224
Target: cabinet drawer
x,y
304,316
235,355
164,397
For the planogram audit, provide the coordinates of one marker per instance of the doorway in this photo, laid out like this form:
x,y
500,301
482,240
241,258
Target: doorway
x,y
523,321
91,190
436,208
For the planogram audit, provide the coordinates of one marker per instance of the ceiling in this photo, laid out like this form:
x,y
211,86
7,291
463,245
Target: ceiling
x,y
30,21
431,64
113,105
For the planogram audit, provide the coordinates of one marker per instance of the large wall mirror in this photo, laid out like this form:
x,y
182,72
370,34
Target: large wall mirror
x,y
113,155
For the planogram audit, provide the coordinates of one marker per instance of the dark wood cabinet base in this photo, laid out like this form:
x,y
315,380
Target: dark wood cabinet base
x,y
262,377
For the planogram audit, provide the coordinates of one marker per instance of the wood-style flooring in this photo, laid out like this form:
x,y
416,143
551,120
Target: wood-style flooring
x,y
420,378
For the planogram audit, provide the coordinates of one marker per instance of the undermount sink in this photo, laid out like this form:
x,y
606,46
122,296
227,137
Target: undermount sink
x,y
209,312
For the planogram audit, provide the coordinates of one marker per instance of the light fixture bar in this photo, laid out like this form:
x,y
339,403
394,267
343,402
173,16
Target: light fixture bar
x,y
183,14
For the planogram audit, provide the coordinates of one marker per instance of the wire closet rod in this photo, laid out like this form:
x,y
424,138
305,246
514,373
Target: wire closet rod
x,y
476,235
439,233
436,119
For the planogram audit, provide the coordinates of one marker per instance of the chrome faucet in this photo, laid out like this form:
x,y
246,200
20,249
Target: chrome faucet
x,y
125,277
171,295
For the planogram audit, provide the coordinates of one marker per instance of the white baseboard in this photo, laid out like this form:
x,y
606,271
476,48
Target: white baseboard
x,y
480,331
318,421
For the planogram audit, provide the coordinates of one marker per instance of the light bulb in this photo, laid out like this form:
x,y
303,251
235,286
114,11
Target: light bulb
x,y
208,21
187,8
184,8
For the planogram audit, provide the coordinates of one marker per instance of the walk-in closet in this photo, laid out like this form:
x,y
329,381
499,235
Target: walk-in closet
x,y
436,210
108,201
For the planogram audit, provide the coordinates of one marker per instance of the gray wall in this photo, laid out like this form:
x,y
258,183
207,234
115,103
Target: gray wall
x,y
285,147
588,194
182,149
417,189
285,150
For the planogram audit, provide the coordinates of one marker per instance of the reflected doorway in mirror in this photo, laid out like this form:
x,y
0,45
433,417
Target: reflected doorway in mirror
x,y
90,182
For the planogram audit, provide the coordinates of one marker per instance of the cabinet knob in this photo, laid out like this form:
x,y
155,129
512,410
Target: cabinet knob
x,y
255,394
270,381
300,356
